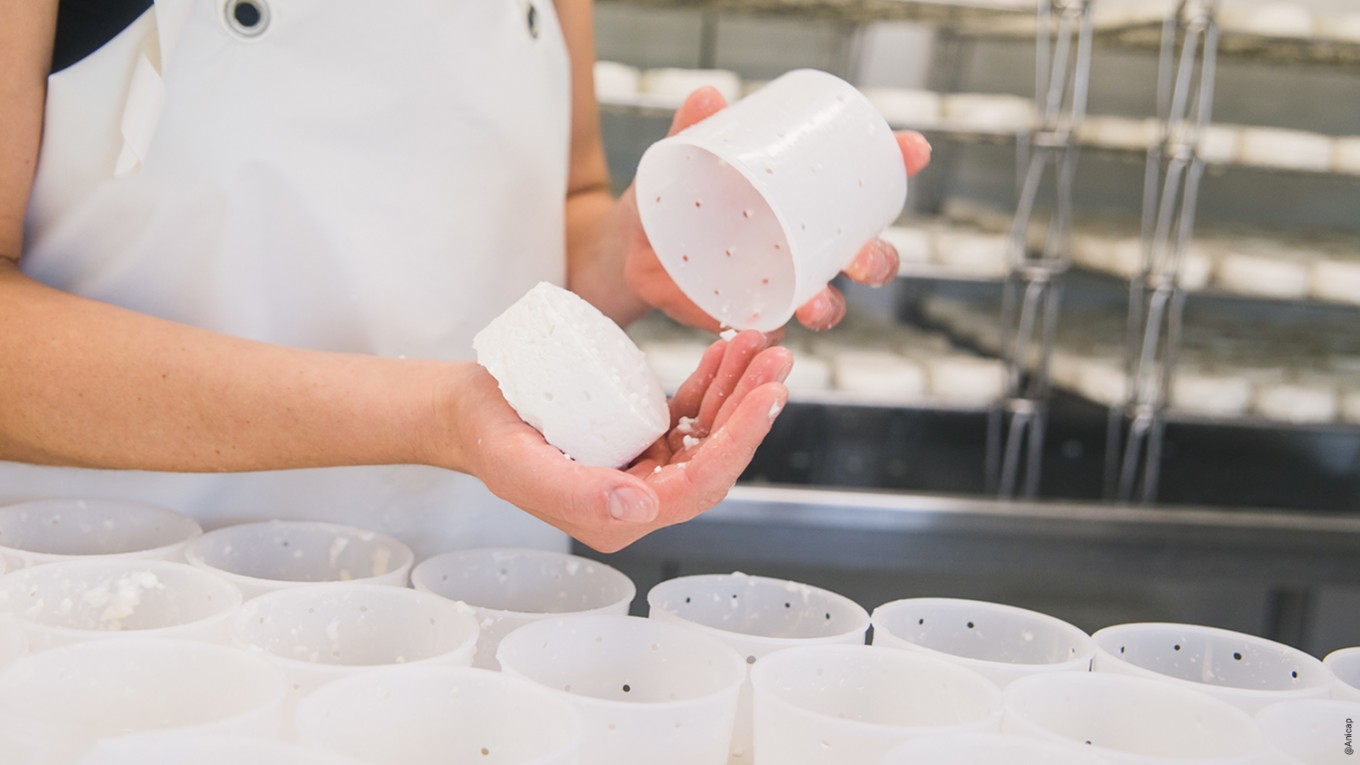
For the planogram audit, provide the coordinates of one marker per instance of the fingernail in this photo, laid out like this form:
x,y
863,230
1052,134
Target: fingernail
x,y
818,306
782,373
914,167
629,505
882,270
775,409
826,314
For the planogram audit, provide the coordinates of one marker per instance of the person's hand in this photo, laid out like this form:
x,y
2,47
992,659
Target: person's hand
x,y
718,418
875,265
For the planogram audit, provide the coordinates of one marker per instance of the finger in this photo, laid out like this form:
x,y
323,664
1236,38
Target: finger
x,y
698,106
876,264
526,471
704,480
915,151
770,365
686,401
646,276
824,311
650,462
740,350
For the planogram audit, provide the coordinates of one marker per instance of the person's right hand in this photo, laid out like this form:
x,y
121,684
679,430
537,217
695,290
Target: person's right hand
x,y
874,265
728,404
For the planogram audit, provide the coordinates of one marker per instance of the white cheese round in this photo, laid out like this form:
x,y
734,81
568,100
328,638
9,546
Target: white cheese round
x,y
615,82
1257,270
1210,392
906,108
1298,402
914,244
880,374
674,85
972,253
1219,144
1337,278
1286,149
1346,155
1277,19
575,376
966,379
989,113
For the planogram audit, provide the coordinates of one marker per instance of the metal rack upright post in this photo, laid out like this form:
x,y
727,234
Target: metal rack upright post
x,y
1032,291
1174,169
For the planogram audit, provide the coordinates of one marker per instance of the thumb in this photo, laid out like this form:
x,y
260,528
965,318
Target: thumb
x,y
537,478
699,106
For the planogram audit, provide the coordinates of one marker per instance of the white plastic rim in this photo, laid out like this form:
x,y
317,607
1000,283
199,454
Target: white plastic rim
x,y
17,749
837,704
77,600
1244,670
179,749
1130,720
271,555
13,643
1345,666
44,531
440,716
757,616
645,691
1311,731
753,210
1001,642
319,633
986,749
69,697
508,588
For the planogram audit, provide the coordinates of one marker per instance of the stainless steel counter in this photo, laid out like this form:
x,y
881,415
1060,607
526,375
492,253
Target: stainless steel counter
x,y
893,541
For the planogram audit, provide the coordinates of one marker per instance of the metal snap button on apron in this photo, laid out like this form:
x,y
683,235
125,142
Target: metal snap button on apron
x,y
531,19
248,18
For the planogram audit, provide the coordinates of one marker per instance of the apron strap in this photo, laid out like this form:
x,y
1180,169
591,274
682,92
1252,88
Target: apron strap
x,y
146,92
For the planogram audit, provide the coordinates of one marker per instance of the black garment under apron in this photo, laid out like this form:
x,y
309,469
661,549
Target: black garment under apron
x,y
83,26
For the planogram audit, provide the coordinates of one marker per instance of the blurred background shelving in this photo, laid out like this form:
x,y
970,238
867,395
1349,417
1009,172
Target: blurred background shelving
x,y
862,425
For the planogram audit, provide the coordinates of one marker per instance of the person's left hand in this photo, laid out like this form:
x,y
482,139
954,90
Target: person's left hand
x,y
875,265
718,418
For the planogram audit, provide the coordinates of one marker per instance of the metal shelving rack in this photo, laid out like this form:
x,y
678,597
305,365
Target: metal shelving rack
x,y
926,531
1191,43
1171,190
1032,291
977,14
1237,44
1046,164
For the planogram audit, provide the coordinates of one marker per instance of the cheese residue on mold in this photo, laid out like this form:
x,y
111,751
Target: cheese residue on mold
x,y
338,546
119,598
382,560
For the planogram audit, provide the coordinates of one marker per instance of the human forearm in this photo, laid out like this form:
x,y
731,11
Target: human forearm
x,y
89,384
595,245
596,253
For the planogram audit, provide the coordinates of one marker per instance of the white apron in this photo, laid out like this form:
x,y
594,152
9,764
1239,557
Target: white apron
x,y
366,177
